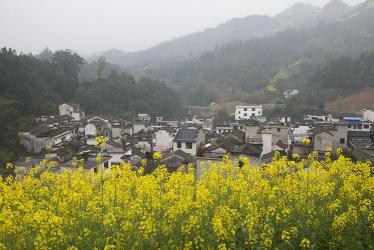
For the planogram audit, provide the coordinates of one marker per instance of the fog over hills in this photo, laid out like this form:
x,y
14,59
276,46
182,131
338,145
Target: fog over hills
x,y
299,16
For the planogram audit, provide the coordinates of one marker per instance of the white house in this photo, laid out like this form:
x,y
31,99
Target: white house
x,y
162,140
247,112
40,136
72,110
143,118
90,129
188,140
116,128
321,118
220,129
96,126
368,115
205,121
137,127
357,124
284,119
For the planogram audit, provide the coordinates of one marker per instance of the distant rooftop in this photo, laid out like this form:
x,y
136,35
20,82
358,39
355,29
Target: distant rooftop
x,y
186,135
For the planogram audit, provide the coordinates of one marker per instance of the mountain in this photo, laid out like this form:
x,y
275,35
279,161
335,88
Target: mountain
x,y
298,12
243,70
192,45
113,56
334,10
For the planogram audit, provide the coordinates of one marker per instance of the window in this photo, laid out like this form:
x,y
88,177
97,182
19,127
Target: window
x,y
359,126
179,145
278,130
342,140
366,126
245,114
253,109
349,126
239,112
188,145
245,109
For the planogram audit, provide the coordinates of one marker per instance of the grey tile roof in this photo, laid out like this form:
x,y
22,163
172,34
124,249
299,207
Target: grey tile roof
x,y
188,135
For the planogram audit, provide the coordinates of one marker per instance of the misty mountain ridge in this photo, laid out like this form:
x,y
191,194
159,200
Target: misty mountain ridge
x,y
244,70
298,16
300,10
114,55
334,10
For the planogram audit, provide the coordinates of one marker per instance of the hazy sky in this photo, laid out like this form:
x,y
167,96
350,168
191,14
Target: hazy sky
x,y
95,25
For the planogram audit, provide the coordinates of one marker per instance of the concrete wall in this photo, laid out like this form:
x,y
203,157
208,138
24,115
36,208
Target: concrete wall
x,y
251,132
138,127
183,147
281,135
322,142
116,131
144,145
267,143
163,140
368,115
90,129
340,133
67,136
33,144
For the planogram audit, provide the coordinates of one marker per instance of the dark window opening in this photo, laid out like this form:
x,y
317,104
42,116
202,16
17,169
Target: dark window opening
x,y
179,145
342,140
188,145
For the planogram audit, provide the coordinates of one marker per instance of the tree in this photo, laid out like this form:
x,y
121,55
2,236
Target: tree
x,y
66,66
101,68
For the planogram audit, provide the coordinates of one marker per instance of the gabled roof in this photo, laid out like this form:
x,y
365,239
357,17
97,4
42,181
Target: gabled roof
x,y
89,163
250,122
282,145
319,130
187,135
269,156
42,131
31,162
175,159
238,134
248,149
114,144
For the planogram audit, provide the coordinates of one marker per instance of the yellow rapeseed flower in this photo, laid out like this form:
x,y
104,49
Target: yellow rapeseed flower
x,y
305,243
157,156
306,141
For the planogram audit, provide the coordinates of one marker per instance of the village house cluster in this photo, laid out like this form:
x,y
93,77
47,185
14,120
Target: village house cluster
x,y
70,139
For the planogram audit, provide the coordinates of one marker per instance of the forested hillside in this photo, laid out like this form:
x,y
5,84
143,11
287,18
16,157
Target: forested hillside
x,y
346,72
254,65
33,86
